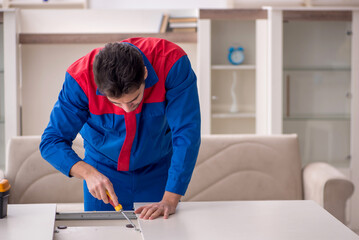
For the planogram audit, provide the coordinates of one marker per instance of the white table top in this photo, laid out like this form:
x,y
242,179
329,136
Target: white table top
x,y
118,231
249,220
28,221
92,229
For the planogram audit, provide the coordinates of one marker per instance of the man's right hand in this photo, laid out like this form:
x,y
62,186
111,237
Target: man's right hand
x,y
97,183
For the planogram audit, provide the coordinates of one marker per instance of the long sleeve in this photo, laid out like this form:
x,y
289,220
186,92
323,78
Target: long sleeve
x,y
183,116
66,120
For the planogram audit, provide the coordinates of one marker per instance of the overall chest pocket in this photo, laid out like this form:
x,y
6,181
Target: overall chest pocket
x,y
105,121
153,118
110,123
153,109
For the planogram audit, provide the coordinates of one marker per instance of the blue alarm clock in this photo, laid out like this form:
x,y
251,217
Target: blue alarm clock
x,y
236,55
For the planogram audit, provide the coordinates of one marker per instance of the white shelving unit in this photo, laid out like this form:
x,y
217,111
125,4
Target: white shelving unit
x,y
315,86
228,92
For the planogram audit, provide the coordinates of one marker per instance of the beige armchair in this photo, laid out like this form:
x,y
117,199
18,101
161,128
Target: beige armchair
x,y
229,167
251,167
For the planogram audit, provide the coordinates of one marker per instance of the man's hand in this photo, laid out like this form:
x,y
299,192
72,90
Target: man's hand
x,y
97,183
164,208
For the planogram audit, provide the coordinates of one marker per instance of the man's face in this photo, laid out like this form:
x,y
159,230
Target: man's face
x,y
129,102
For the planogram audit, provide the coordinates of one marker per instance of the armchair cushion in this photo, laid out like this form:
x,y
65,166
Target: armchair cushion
x,y
33,180
246,167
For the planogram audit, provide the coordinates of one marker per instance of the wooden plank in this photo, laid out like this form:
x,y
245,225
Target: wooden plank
x,y
317,16
238,14
67,38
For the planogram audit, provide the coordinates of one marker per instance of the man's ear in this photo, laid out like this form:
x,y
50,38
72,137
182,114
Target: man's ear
x,y
146,73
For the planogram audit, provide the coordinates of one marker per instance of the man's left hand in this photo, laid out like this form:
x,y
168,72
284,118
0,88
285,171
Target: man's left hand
x,y
163,208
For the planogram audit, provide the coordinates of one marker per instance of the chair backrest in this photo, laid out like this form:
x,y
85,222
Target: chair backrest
x,y
34,180
247,167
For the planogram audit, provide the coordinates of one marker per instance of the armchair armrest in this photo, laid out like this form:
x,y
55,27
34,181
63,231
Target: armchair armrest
x,y
328,187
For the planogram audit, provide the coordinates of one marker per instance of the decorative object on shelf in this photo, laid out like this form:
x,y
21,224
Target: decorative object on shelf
x,y
236,55
234,105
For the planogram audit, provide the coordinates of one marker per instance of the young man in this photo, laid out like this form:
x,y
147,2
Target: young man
x,y
136,105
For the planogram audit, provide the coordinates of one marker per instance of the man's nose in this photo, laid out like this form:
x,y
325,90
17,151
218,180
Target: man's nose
x,y
127,107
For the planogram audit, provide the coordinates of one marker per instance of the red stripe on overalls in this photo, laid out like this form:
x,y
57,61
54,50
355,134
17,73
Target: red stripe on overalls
x,y
123,162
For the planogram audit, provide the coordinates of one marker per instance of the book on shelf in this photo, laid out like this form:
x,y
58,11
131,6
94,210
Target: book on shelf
x,y
191,29
178,24
183,25
182,19
164,23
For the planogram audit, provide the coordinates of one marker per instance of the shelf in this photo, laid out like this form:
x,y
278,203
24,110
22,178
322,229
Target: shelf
x,y
233,14
318,69
323,118
46,5
233,67
234,115
59,38
314,15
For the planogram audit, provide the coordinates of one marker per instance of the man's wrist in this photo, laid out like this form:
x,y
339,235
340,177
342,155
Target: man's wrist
x,y
172,198
81,170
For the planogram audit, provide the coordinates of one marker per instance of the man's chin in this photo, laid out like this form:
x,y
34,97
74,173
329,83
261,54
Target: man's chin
x,y
133,109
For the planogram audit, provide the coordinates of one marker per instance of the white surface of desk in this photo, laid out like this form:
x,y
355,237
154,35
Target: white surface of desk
x,y
247,220
92,229
28,221
97,233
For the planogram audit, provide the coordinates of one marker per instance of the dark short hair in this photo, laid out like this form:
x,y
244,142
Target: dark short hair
x,y
118,69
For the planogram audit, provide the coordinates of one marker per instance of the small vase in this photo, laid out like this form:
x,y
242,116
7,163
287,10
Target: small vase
x,y
234,105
